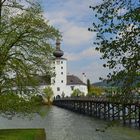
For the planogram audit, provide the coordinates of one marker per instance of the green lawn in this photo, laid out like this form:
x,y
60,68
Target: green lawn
x,y
22,134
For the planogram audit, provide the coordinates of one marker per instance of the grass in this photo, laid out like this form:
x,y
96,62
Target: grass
x,y
22,134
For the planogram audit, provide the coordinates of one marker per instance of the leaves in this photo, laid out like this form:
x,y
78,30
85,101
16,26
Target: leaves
x,y
77,93
11,105
48,94
119,28
25,48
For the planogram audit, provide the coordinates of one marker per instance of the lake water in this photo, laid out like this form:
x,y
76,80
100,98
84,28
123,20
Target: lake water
x,y
61,124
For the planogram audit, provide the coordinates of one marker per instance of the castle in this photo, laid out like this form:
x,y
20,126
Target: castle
x,y
61,83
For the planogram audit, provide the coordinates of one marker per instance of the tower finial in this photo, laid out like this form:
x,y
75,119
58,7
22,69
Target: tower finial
x,y
58,52
58,43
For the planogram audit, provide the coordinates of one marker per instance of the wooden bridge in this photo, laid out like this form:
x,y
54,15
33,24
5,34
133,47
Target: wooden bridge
x,y
127,113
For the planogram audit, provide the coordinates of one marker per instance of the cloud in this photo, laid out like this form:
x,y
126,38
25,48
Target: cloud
x,y
57,17
93,71
85,54
73,34
71,23
76,36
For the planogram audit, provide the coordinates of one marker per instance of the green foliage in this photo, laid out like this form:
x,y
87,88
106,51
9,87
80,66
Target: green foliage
x,y
25,47
22,134
117,24
48,93
77,93
88,85
11,104
96,91
63,95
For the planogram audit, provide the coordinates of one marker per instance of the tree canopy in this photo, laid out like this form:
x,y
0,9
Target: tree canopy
x,y
48,94
117,24
25,50
25,44
88,85
77,93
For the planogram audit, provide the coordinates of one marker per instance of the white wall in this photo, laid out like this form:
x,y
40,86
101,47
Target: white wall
x,y
59,81
69,91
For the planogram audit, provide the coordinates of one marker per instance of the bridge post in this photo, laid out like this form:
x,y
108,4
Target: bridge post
x,y
90,108
95,109
124,113
108,111
130,112
113,114
139,115
105,110
99,110
118,113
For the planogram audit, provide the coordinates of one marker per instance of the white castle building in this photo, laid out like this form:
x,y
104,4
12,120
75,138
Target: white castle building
x,y
61,83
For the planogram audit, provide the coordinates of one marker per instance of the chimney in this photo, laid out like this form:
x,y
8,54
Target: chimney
x,y
84,78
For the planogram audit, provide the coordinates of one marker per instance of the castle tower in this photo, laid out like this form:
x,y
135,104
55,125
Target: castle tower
x,y
59,81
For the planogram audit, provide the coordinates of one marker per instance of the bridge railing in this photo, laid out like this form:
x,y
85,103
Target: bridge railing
x,y
103,99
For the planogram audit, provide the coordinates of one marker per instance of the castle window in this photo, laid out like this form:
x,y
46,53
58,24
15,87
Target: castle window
x,y
61,62
58,62
62,73
58,88
71,81
72,87
61,81
61,67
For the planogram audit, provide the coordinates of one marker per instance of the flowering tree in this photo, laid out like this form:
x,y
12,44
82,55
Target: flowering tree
x,y
25,46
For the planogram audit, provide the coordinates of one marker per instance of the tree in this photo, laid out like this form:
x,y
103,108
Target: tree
x,y
96,91
11,104
25,47
25,51
77,93
88,85
48,94
117,24
63,95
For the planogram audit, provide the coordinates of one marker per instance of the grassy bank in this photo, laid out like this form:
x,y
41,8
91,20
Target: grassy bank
x,y
22,134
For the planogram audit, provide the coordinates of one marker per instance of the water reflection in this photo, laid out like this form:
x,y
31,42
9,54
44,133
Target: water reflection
x,y
62,124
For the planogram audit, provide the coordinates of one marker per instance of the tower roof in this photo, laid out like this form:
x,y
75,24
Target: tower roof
x,y
58,52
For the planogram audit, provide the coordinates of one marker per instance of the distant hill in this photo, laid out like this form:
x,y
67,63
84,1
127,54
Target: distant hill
x,y
110,84
102,84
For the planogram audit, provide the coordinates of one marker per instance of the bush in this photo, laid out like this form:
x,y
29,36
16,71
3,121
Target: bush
x,y
11,104
77,93
48,94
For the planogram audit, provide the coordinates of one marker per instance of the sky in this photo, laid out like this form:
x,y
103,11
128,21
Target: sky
x,y
73,18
